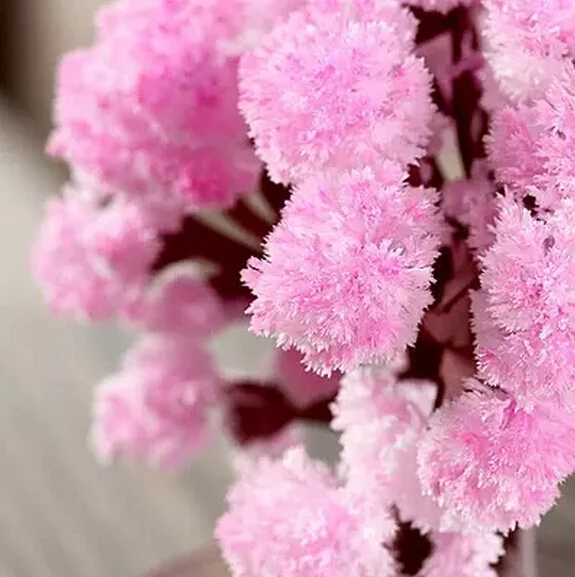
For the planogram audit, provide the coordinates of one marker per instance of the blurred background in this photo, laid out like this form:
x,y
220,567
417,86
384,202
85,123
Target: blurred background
x,y
61,515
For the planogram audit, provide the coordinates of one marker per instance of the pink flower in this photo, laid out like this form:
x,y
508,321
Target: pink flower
x,y
528,43
531,146
325,535
492,465
523,317
92,260
333,92
529,272
461,555
513,145
381,422
346,273
156,407
151,108
536,367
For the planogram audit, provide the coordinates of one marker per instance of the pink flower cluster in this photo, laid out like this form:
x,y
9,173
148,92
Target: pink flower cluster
x,y
338,104
151,108
342,280
156,408
495,456
342,524
148,120
455,409
326,534
92,259
528,43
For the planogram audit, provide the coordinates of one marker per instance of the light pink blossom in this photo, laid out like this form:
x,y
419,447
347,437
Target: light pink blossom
x,y
492,465
528,43
334,92
325,535
381,422
91,260
151,108
346,273
156,408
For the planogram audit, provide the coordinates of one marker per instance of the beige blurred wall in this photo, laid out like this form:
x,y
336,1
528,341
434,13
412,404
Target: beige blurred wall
x,y
40,32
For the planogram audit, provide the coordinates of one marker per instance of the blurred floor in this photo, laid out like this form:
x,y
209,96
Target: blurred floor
x,y
61,515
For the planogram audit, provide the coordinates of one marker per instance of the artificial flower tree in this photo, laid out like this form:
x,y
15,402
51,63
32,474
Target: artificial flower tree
x,y
386,188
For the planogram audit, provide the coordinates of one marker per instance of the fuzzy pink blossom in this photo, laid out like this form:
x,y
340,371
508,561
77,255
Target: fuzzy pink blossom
x,y
346,273
492,465
522,318
529,272
151,108
392,12
536,367
91,260
156,407
324,536
555,115
334,92
528,43
462,555
531,146
381,421
472,203
178,302
512,146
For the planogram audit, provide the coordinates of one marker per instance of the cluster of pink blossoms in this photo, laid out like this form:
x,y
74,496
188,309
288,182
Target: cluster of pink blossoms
x,y
446,302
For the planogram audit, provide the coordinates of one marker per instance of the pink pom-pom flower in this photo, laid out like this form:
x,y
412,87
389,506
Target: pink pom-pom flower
x,y
156,408
528,43
334,92
325,535
151,108
529,272
492,465
381,421
531,147
523,315
91,260
345,277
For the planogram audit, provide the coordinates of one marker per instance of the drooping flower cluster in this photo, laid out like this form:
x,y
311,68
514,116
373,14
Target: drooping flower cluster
x,y
419,150
92,260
